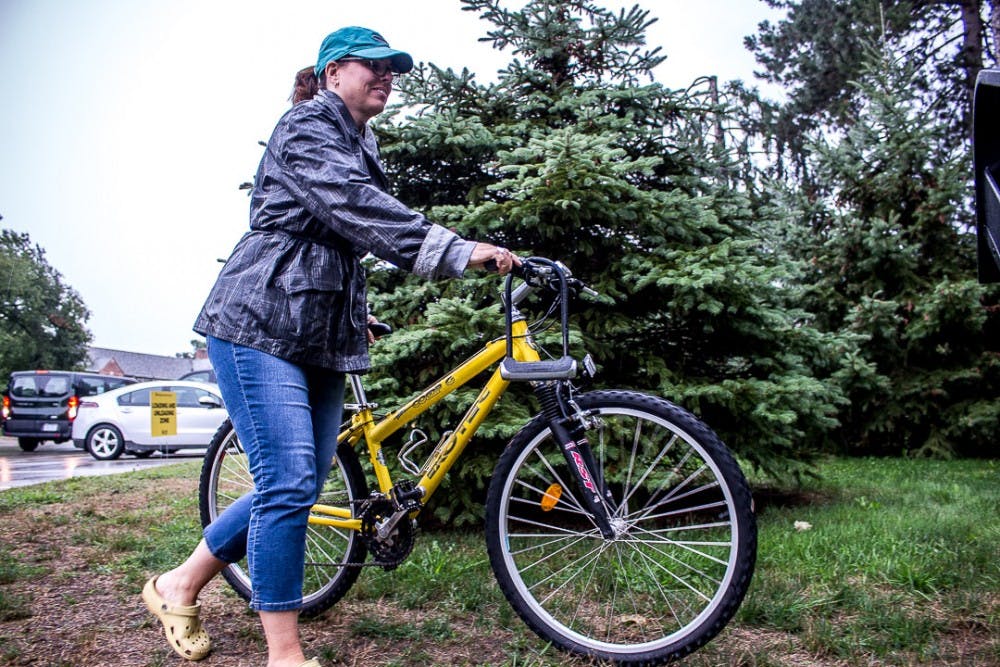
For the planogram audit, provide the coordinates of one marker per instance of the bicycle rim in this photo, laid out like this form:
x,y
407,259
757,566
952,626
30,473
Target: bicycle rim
x,y
685,541
325,578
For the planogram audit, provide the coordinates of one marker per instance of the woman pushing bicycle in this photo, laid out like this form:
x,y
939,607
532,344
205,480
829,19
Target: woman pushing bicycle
x,y
287,319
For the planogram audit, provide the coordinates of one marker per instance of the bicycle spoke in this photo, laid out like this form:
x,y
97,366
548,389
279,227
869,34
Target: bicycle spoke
x,y
684,510
649,469
321,550
596,554
663,592
568,531
684,545
579,605
610,617
672,495
679,579
547,557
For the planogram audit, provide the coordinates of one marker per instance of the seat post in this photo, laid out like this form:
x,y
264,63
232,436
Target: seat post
x,y
358,389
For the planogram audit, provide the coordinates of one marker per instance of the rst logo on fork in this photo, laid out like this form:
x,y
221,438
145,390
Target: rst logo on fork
x,y
581,467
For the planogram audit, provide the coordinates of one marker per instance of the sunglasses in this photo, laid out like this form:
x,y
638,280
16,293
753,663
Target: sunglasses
x,y
378,67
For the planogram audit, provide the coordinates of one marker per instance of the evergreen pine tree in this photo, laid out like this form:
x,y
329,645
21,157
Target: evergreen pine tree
x,y
819,49
574,154
890,259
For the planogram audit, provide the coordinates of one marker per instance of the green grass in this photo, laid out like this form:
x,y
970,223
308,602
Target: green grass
x,y
901,566
901,556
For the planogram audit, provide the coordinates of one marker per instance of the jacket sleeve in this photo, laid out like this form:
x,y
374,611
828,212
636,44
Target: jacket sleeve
x,y
323,169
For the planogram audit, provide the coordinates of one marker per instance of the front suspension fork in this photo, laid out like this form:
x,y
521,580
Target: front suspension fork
x,y
568,430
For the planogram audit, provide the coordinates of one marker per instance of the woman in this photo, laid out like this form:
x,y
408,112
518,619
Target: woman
x,y
287,318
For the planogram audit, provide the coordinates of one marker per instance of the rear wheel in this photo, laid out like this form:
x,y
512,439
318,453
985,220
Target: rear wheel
x,y
105,442
225,477
28,444
684,543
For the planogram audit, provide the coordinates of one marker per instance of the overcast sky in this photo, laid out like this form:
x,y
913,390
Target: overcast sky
x,y
126,126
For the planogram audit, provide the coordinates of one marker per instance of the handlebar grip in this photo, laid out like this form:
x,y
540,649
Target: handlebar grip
x,y
491,266
379,329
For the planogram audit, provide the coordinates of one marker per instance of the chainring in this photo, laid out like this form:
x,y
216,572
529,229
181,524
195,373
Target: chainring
x,y
392,550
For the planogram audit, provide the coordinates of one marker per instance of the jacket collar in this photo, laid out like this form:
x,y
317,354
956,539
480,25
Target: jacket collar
x,y
375,171
333,101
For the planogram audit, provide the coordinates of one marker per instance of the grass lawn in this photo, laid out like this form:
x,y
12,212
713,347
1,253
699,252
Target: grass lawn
x,y
876,562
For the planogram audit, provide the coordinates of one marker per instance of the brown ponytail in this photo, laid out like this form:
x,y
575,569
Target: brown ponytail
x,y
306,85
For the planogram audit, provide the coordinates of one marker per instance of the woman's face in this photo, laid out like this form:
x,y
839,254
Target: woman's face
x,y
364,92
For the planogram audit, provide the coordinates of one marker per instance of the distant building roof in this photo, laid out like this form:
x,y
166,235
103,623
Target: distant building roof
x,y
142,366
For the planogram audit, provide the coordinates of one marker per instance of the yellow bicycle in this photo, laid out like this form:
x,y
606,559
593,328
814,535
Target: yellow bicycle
x,y
618,525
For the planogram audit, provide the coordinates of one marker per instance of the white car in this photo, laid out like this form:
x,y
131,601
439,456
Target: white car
x,y
121,421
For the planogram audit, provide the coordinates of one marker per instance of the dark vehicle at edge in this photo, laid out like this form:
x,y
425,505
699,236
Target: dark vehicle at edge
x,y
41,405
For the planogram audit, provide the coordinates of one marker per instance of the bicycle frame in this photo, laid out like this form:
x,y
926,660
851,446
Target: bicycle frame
x,y
364,426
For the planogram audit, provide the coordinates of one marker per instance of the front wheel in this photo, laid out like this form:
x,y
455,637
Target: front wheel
x,y
225,477
684,543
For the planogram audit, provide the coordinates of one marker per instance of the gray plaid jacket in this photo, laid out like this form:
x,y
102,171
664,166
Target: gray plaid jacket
x,y
293,286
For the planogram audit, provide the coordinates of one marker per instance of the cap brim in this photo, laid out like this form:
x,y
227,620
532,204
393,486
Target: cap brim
x,y
401,62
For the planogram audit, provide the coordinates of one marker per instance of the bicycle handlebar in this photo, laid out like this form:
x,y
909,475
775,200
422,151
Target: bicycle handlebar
x,y
540,273
535,273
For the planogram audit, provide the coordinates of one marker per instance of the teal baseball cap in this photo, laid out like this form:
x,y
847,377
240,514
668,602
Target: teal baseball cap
x,y
361,43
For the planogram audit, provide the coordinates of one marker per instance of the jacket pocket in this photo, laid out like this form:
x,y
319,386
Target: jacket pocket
x,y
320,281
308,306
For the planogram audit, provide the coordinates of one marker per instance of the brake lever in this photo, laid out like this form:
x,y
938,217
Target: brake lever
x,y
578,287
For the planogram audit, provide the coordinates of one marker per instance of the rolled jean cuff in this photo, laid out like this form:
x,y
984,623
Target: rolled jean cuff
x,y
277,606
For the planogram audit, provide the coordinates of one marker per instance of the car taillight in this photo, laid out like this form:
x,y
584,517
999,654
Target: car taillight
x,y
6,407
74,403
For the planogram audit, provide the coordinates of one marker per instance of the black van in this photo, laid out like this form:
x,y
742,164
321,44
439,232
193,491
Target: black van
x,y
41,405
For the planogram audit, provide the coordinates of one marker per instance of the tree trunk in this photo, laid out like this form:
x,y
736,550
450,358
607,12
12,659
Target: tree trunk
x,y
972,50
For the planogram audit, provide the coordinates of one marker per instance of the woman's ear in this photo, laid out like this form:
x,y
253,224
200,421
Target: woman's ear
x,y
332,79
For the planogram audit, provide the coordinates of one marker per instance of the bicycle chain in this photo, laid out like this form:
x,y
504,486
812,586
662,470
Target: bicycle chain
x,y
386,556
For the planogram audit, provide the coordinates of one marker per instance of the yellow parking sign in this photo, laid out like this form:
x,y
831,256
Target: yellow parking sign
x,y
164,413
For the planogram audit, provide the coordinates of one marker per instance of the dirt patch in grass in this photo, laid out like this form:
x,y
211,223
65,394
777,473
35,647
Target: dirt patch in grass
x,y
769,497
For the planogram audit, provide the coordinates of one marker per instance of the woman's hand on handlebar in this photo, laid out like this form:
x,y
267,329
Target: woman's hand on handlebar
x,y
376,329
493,258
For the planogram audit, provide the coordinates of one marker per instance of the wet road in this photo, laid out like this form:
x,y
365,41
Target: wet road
x,y
50,462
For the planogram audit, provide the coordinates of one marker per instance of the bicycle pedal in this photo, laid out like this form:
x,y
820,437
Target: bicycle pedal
x,y
406,496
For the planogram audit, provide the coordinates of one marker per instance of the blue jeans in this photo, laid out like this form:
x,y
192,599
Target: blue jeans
x,y
287,418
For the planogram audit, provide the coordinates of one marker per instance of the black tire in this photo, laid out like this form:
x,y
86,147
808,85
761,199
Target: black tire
x,y
225,476
105,442
685,544
28,444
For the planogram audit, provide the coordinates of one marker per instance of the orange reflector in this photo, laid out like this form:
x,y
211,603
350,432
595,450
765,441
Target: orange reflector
x,y
551,497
